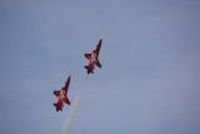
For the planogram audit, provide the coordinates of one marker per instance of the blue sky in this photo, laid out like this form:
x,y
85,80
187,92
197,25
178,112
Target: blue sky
x,y
149,83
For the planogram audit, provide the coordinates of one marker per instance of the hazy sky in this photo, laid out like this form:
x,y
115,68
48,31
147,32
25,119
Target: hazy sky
x,y
149,83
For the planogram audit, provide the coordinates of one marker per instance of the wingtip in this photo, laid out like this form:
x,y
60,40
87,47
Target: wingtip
x,y
55,92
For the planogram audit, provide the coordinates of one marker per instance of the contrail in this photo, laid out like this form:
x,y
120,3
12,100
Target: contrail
x,y
70,117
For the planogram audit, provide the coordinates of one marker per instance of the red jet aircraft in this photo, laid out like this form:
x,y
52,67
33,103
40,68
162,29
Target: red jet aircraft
x,y
93,58
61,96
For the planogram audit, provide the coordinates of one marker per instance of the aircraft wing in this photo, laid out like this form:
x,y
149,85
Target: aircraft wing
x,y
98,47
88,56
98,63
66,100
56,93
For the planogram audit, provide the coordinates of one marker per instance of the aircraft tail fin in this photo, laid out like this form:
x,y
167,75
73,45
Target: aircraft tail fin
x,y
58,107
89,69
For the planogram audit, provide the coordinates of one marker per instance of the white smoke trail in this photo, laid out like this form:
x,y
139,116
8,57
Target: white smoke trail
x,y
70,117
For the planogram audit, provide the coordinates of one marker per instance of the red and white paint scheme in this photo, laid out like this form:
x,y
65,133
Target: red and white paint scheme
x,y
93,58
61,96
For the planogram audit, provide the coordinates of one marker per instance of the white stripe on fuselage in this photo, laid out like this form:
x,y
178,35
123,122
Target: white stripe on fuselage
x,y
93,58
62,95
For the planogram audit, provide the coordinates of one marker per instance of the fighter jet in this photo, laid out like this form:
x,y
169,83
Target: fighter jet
x,y
61,96
93,59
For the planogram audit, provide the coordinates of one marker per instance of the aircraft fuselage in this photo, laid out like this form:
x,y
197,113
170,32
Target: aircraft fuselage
x,y
93,58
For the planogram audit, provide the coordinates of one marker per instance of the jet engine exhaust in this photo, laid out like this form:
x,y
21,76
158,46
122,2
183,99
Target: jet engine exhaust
x,y
71,115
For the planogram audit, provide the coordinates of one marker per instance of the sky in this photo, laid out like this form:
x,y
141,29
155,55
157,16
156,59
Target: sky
x,y
149,82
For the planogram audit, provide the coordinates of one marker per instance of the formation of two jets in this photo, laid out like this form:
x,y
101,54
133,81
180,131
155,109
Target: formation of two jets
x,y
93,61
